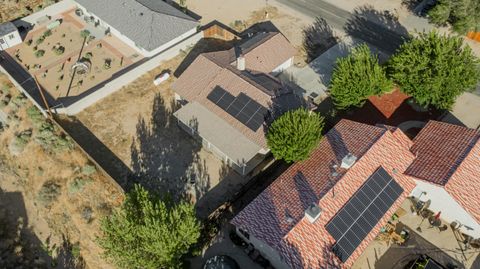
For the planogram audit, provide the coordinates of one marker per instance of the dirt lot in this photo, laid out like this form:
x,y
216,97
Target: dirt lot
x,y
53,197
61,48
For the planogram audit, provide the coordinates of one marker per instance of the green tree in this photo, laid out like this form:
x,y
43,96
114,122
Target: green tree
x,y
464,15
147,232
357,77
295,134
435,69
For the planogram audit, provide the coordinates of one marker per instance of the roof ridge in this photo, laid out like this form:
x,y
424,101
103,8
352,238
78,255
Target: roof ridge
x,y
164,13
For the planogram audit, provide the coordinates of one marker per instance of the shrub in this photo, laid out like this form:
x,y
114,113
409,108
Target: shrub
x,y
78,184
295,134
75,251
87,214
47,33
29,42
85,34
88,55
35,116
49,193
39,53
88,169
107,64
51,140
40,40
58,50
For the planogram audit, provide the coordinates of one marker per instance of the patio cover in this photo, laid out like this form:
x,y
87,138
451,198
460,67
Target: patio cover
x,y
215,130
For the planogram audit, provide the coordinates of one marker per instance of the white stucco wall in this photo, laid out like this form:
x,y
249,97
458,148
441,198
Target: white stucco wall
x,y
267,252
283,66
10,40
451,210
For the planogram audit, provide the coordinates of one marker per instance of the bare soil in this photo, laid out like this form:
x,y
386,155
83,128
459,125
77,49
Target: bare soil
x,y
55,72
13,9
62,213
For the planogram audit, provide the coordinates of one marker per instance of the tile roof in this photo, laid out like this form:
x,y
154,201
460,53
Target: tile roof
x,y
440,149
213,69
150,24
276,216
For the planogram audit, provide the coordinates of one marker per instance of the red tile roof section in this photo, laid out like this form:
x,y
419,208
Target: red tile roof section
x,y
464,184
440,149
301,243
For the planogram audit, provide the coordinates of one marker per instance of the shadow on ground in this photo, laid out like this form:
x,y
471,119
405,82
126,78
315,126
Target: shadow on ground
x,y
164,158
375,27
21,248
318,38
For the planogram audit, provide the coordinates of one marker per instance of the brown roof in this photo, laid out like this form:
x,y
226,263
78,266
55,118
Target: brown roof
x,y
440,149
216,69
307,245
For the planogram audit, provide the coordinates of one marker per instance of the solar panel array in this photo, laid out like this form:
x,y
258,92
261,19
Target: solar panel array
x,y
362,212
243,108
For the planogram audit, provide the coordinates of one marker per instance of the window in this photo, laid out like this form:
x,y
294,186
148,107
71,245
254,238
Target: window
x,y
11,36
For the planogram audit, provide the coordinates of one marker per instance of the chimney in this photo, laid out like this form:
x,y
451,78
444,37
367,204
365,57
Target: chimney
x,y
348,161
312,213
241,62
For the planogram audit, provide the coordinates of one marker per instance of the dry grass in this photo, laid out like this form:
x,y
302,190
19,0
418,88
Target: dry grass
x,y
28,172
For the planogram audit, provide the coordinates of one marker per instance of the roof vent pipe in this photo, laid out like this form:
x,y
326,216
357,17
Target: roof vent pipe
x,y
313,212
348,161
241,62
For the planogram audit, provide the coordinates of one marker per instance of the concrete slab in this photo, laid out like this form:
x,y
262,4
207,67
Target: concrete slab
x,y
312,80
466,111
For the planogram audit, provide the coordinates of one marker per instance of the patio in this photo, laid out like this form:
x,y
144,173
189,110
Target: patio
x,y
439,241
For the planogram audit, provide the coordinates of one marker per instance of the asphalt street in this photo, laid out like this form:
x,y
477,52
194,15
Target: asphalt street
x,y
386,35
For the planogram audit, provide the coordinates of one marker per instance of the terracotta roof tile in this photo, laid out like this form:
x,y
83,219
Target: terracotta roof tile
x,y
300,243
440,149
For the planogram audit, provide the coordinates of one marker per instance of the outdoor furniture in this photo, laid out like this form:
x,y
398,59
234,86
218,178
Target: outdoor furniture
x,y
434,222
442,228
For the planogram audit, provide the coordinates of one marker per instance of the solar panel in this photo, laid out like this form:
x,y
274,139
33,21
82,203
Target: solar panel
x,y
243,108
361,213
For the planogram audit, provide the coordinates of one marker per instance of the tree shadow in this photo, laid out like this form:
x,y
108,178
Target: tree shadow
x,y
164,159
19,245
318,38
375,27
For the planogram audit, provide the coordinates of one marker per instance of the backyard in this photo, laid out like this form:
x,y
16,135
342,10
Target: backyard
x,y
69,59
136,139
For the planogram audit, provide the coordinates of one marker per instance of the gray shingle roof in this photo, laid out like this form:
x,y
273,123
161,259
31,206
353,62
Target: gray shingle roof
x,y
148,23
7,28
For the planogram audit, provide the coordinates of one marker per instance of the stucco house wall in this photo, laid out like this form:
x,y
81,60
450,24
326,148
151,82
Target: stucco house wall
x,y
441,200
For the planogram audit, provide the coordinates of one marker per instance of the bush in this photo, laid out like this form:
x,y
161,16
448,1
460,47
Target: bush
x,y
51,140
88,169
85,34
58,50
40,40
47,33
29,42
88,55
78,184
39,53
49,193
35,116
295,134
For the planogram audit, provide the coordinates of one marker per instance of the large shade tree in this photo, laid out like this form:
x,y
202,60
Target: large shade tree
x,y
463,15
295,134
435,69
357,77
147,232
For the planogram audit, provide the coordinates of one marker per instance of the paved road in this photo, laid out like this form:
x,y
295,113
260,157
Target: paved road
x,y
387,37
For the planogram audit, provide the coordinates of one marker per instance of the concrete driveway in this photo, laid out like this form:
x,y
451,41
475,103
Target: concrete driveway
x,y
312,80
465,111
